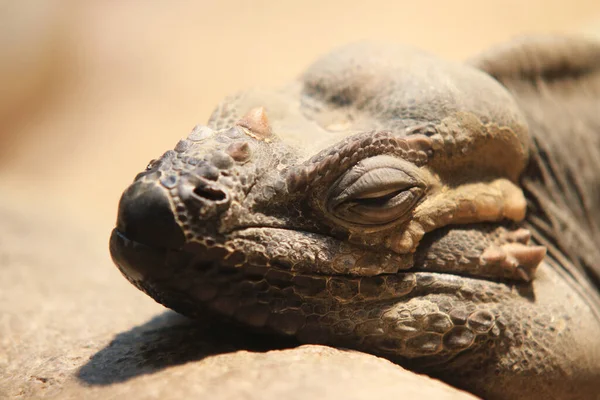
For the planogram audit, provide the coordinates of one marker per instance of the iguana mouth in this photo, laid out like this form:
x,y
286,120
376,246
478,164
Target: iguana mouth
x,y
138,260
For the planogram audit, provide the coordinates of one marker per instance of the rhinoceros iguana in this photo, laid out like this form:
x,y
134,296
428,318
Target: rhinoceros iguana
x,y
443,215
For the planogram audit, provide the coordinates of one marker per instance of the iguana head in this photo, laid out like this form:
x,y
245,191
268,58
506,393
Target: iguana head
x,y
376,179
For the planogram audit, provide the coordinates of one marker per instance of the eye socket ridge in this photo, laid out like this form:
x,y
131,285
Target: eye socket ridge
x,y
376,191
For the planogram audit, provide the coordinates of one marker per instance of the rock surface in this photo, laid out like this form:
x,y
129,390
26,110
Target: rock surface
x,y
71,327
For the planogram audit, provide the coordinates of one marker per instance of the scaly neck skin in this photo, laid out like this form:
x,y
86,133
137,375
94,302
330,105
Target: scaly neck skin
x,y
563,213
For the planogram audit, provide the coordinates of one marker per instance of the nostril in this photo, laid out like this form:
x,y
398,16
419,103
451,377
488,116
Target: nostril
x,y
209,193
208,199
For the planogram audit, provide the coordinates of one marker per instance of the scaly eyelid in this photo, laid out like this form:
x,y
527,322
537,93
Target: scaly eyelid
x,y
380,174
354,197
380,182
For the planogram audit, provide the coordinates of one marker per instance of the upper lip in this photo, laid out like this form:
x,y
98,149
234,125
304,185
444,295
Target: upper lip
x,y
137,260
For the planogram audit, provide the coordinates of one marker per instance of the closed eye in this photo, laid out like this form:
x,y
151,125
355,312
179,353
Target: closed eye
x,y
376,191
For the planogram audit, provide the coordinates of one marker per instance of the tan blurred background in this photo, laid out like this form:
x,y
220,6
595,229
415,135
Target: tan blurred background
x,y
90,91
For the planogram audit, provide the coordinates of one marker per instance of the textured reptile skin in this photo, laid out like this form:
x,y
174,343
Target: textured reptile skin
x,y
379,203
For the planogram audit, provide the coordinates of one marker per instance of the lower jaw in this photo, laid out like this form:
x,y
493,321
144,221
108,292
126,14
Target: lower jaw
x,y
135,260
190,290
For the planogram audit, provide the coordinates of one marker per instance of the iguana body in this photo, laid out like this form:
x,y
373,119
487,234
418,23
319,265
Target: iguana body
x,y
379,203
